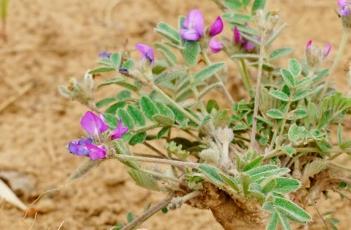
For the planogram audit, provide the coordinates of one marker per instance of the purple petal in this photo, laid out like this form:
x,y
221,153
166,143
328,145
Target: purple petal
x,y
146,52
216,27
327,49
309,45
96,152
78,147
93,124
249,46
119,131
189,35
193,26
237,36
215,45
104,55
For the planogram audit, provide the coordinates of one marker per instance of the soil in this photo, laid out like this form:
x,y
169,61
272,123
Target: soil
x,y
51,41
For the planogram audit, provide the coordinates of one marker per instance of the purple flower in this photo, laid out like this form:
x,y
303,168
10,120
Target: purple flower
x,y
216,27
215,45
146,52
327,49
104,55
119,131
315,56
344,8
193,26
93,124
78,147
242,42
85,147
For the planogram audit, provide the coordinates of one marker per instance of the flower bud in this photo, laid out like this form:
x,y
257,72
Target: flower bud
x,y
215,45
216,27
344,11
315,55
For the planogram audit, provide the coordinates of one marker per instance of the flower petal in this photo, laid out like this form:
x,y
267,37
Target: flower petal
x,y
104,55
96,152
119,131
146,52
237,36
249,46
216,27
215,45
78,147
93,124
327,49
189,35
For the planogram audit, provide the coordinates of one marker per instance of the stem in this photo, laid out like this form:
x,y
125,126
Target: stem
x,y
180,164
342,45
337,166
257,95
170,100
148,213
226,92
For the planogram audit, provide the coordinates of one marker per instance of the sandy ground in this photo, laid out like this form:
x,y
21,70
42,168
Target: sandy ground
x,y
51,41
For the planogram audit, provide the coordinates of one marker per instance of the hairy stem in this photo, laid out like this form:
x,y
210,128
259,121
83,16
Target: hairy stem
x,y
253,143
148,213
180,164
342,46
245,77
219,79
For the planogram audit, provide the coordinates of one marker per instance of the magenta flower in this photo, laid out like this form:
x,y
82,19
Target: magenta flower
x,y
119,131
242,42
147,53
315,55
93,124
193,26
96,152
216,27
215,45
104,55
344,8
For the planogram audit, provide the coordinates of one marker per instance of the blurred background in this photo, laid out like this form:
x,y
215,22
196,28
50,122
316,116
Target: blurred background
x,y
48,42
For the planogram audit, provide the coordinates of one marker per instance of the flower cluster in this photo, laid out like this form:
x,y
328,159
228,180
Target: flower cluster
x,y
193,29
97,131
344,8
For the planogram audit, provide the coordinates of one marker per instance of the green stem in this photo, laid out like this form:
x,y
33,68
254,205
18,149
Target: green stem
x,y
181,164
342,46
226,92
257,95
246,77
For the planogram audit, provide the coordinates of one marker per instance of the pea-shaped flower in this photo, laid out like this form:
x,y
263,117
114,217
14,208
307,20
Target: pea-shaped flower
x,y
315,55
146,52
216,27
193,26
344,10
242,42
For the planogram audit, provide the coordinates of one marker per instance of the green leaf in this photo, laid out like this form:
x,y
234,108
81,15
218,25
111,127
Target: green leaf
x,y
167,53
114,107
148,106
286,185
295,67
290,151
273,222
130,217
179,116
212,173
111,120
116,59
102,69
212,105
207,72
279,95
136,114
275,114
283,220
143,179
120,82
296,133
126,118
163,132
163,120
165,111
258,5
288,78
291,209
301,94
231,181
138,138
169,32
232,4
191,52
278,53
253,164
105,101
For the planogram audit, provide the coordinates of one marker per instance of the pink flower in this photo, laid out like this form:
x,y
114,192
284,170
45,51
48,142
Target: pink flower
x,y
215,45
193,26
119,131
93,124
147,52
216,27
